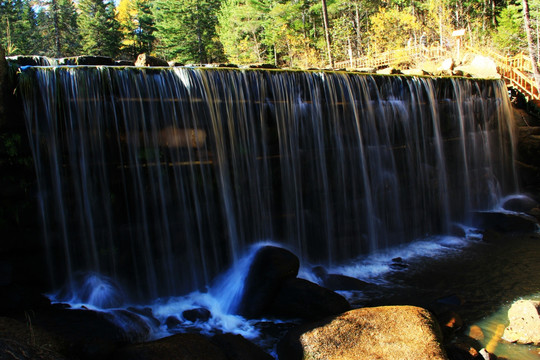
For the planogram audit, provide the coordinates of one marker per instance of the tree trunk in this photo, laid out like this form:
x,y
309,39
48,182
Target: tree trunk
x,y
327,33
57,46
532,53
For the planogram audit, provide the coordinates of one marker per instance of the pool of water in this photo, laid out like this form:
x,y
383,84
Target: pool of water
x,y
475,276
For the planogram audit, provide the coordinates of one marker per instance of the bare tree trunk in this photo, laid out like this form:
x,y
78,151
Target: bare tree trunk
x,y
327,33
358,32
532,53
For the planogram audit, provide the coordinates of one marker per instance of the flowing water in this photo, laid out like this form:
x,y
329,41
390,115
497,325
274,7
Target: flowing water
x,y
161,178
156,185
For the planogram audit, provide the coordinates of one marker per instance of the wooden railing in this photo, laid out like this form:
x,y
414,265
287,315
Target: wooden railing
x,y
516,70
416,53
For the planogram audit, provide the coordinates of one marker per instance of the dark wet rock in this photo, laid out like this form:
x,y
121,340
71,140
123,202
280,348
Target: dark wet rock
x,y
529,146
83,334
236,347
172,322
124,63
457,231
505,223
87,60
146,312
134,326
398,264
270,268
520,204
395,332
338,281
15,350
299,298
180,346
234,66
198,314
147,60
263,66
175,63
29,60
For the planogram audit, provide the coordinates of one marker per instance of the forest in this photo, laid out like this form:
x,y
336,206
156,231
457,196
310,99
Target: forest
x,y
287,33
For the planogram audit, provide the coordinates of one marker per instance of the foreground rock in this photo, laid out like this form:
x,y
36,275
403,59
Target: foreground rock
x,y
524,325
272,289
271,267
299,298
194,347
181,346
14,350
388,332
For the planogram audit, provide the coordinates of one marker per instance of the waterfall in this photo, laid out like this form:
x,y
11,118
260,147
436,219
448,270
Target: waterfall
x,y
162,178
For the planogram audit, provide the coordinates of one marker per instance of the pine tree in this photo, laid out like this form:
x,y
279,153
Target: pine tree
x,y
57,22
186,30
18,28
99,28
70,38
137,26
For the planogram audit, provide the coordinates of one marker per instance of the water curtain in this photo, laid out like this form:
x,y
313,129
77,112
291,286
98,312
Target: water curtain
x,y
161,178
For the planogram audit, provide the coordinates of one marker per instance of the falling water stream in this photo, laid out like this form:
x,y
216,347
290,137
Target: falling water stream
x,y
162,179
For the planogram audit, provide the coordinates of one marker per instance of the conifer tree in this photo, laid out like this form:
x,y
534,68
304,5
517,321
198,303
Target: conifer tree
x,y
57,22
186,30
18,28
137,26
99,28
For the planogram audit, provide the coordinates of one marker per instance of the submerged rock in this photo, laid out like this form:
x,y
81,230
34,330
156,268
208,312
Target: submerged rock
x,y
198,314
388,332
524,320
270,268
338,281
172,322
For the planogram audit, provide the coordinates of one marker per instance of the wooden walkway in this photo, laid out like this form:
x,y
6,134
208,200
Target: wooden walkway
x,y
515,70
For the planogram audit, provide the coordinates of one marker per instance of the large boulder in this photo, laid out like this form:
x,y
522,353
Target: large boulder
x,y
147,60
299,298
480,67
180,347
524,327
270,268
520,204
388,332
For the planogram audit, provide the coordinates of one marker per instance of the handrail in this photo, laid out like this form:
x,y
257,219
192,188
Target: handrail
x,y
516,70
391,57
